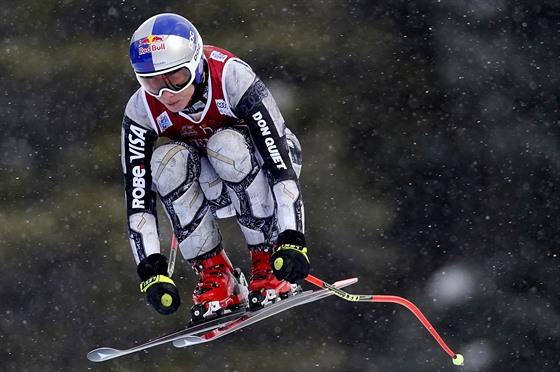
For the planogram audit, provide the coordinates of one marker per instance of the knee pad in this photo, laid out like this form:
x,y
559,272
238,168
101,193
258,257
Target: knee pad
x,y
230,154
174,164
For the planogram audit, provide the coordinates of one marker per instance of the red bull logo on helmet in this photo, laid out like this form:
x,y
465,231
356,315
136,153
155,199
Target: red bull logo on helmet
x,y
150,44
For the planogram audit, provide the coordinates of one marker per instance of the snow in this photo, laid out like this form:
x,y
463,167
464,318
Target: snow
x,y
430,139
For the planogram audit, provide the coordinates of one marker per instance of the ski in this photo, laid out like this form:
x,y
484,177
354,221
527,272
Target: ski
x,y
105,353
220,326
249,318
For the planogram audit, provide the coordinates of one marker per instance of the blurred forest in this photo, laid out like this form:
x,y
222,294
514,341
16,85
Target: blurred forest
x,y
431,141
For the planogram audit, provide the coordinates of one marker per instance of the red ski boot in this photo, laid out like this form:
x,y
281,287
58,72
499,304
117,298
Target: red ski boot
x,y
264,287
220,289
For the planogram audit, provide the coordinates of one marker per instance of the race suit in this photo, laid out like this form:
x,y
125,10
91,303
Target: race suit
x,y
228,153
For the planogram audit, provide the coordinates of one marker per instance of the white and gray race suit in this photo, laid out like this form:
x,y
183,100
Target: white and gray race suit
x,y
230,154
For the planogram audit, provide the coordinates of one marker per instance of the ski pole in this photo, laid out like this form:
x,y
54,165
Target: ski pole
x,y
172,255
456,358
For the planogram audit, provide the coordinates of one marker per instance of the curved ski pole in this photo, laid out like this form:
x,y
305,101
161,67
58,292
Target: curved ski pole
x,y
456,358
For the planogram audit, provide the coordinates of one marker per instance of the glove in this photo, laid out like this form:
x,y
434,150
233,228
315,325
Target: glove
x,y
160,289
289,262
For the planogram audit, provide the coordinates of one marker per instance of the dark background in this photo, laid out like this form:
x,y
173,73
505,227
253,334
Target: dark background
x,y
431,166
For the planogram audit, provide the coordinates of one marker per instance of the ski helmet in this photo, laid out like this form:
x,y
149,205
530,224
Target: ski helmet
x,y
165,44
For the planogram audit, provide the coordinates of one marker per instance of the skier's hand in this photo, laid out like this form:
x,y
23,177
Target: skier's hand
x,y
160,290
161,293
290,261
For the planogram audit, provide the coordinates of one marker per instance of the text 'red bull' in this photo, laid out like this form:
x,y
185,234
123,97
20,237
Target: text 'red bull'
x,y
151,48
148,44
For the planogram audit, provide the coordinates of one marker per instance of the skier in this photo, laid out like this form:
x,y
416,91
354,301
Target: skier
x,y
229,153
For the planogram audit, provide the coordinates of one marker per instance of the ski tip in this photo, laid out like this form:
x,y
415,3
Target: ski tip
x,y
102,354
458,360
187,341
345,282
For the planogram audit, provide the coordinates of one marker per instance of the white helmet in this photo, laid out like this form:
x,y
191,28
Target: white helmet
x,y
166,43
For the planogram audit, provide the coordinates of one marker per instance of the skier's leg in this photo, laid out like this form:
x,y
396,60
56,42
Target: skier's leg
x,y
215,190
175,172
232,155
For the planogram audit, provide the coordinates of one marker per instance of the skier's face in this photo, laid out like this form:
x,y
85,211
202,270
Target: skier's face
x,y
176,102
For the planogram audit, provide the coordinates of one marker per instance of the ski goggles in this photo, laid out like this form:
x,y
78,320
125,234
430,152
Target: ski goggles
x,y
174,81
